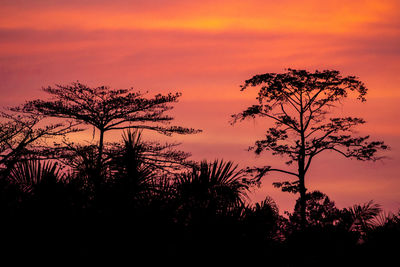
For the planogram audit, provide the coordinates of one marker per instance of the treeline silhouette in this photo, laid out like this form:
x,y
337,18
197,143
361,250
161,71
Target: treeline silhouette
x,y
138,201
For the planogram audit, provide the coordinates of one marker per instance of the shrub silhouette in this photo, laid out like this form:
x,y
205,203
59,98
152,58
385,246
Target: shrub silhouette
x,y
150,202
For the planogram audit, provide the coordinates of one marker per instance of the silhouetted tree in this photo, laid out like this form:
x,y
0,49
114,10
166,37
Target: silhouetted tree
x,y
381,243
47,188
320,211
23,136
212,187
262,222
136,170
106,109
209,205
298,102
127,160
360,218
325,234
159,157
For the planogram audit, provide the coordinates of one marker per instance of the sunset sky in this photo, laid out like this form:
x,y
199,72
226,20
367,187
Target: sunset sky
x,y
206,49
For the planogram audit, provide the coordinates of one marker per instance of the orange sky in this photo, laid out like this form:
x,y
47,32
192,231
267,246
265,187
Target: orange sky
x,y
206,49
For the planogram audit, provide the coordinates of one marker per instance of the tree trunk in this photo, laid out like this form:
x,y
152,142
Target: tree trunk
x,y
303,203
301,164
99,164
101,141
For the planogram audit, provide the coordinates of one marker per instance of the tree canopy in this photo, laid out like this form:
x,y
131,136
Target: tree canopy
x,y
108,109
298,103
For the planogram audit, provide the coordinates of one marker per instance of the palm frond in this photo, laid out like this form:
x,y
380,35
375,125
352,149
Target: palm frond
x,y
27,174
363,216
218,180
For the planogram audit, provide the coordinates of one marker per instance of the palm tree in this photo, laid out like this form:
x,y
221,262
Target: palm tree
x,y
32,174
209,190
127,177
360,219
363,216
262,222
209,203
46,189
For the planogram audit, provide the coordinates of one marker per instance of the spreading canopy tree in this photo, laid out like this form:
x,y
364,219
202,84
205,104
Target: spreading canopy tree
x,y
107,109
298,103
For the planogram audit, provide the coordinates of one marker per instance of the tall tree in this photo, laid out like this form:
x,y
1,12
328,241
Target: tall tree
x,y
298,102
108,109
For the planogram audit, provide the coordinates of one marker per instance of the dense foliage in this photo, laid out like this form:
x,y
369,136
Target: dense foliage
x,y
150,203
